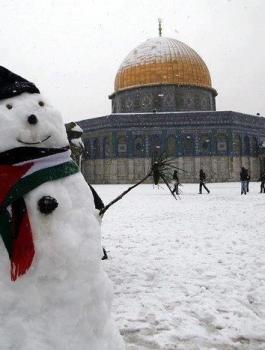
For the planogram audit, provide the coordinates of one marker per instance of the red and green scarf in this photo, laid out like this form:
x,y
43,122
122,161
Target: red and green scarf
x,y
21,171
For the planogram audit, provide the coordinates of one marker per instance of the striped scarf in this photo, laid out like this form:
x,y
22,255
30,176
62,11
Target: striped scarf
x,y
21,171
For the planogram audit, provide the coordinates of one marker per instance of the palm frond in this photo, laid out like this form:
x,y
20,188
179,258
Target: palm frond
x,y
162,168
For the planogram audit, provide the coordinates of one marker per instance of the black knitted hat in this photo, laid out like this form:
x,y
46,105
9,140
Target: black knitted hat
x,y
12,85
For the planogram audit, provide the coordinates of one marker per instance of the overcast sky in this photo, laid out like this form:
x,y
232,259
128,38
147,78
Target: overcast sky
x,y
72,49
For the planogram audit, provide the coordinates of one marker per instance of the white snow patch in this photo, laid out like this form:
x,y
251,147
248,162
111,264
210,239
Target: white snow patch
x,y
160,49
188,274
77,128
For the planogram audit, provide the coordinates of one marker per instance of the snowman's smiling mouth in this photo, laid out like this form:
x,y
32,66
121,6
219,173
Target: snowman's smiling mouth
x,y
33,143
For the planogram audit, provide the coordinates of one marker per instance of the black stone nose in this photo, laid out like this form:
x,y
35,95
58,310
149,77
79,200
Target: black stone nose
x,y
32,119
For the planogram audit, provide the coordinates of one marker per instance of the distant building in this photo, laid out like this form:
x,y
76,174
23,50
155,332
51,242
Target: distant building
x,y
163,100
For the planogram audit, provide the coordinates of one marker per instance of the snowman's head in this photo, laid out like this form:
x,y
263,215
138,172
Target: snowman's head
x,y
27,119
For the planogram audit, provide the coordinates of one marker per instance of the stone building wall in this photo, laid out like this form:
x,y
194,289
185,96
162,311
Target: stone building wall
x,y
124,170
118,148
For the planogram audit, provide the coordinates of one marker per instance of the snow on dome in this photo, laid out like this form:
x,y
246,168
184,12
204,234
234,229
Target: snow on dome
x,y
162,61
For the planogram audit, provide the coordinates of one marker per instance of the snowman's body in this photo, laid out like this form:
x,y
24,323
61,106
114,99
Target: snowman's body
x,y
63,301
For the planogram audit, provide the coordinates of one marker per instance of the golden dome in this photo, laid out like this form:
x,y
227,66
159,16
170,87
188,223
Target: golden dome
x,y
162,61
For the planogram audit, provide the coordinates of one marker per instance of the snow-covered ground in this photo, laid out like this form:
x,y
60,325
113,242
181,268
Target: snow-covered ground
x,y
187,274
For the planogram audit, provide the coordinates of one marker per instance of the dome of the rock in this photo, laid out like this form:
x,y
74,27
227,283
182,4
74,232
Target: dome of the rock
x,y
164,103
163,75
159,61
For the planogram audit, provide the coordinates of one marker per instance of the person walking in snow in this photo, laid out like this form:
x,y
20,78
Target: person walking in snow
x,y
262,184
248,181
243,180
176,184
202,182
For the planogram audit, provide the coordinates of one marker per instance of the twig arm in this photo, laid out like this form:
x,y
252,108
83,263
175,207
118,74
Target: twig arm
x,y
103,210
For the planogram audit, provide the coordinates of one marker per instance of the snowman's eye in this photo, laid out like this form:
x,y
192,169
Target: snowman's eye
x,y
41,103
8,106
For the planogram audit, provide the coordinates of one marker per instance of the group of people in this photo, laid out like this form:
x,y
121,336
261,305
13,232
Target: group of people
x,y
244,179
202,182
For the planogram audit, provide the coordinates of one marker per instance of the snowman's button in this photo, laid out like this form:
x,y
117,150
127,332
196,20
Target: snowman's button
x,y
47,204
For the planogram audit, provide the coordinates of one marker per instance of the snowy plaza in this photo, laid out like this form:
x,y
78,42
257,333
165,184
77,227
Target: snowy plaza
x,y
130,131
187,274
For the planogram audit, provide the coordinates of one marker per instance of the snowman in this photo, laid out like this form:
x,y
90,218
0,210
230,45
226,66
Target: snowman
x,y
55,294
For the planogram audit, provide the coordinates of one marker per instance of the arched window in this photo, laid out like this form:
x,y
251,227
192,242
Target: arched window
x,y
155,145
180,102
122,146
96,149
171,146
237,145
106,147
221,143
205,144
87,150
188,145
254,145
139,147
246,145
